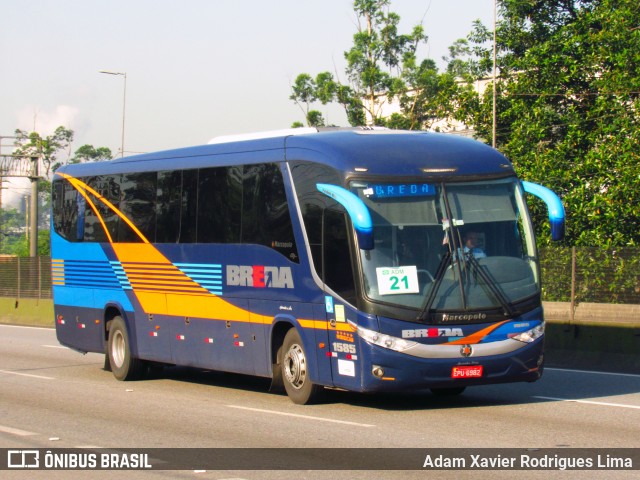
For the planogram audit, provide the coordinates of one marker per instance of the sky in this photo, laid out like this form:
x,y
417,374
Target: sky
x,y
195,69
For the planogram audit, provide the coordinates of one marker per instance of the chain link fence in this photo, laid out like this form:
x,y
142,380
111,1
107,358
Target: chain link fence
x,y
568,275
595,275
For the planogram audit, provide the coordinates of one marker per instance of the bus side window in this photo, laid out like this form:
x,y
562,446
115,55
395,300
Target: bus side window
x,y
337,258
138,204
265,212
219,204
108,186
168,213
68,209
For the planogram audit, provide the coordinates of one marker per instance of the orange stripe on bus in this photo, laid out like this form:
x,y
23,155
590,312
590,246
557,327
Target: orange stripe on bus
x,y
478,336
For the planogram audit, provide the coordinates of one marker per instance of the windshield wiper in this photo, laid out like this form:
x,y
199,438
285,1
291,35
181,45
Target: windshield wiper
x,y
442,268
490,283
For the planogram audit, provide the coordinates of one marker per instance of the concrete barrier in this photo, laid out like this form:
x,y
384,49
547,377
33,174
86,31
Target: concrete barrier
x,y
596,337
601,314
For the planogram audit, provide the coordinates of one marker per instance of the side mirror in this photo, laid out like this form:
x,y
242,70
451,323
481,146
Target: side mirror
x,y
357,210
554,207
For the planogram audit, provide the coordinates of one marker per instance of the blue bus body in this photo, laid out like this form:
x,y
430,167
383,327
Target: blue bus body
x,y
288,257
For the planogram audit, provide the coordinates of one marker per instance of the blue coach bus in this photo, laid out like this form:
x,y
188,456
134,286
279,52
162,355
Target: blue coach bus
x,y
359,259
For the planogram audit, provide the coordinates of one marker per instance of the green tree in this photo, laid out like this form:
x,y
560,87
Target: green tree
x,y
89,153
568,103
382,68
47,148
304,93
12,225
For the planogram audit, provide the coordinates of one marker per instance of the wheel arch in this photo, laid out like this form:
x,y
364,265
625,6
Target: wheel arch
x,y
281,325
112,310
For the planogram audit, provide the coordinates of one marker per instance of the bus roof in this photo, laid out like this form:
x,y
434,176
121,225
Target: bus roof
x,y
374,151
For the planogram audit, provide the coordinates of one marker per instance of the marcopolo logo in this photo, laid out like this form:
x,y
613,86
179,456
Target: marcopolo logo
x,y
259,276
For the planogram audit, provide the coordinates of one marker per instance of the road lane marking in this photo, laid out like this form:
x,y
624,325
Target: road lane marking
x,y
589,402
306,417
16,431
54,346
24,326
595,373
26,375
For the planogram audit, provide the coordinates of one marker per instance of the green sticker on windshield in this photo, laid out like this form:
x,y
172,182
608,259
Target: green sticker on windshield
x,y
397,280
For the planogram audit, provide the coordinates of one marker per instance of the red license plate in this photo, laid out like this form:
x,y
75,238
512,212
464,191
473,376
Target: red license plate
x,y
468,371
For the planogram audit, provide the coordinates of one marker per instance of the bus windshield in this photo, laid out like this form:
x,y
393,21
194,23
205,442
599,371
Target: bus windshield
x,y
448,246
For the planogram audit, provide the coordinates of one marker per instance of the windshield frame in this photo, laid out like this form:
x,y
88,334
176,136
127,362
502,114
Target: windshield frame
x,y
428,310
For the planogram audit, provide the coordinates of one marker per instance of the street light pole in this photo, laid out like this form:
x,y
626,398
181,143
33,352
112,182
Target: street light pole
x,y
124,104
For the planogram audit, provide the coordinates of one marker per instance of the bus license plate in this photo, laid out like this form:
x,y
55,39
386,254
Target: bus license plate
x,y
470,371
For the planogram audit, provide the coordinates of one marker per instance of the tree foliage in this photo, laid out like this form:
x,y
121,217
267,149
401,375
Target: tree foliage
x,y
89,153
47,148
382,69
568,107
568,99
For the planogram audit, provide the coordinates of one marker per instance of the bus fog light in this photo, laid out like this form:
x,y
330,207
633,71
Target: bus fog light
x,y
377,371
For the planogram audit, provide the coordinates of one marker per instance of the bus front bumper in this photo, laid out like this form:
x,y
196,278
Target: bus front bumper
x,y
387,370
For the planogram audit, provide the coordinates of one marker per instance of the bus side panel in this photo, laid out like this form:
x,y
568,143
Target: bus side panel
x,y
213,343
346,359
80,328
84,281
262,315
323,357
154,337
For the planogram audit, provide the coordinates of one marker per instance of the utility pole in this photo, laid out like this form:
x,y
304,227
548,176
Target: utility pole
x,y
33,240
29,167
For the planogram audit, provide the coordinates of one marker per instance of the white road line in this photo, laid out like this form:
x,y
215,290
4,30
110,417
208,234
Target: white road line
x,y
24,326
595,373
306,417
16,431
589,402
54,346
26,375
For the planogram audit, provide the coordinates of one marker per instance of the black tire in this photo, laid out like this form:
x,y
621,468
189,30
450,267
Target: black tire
x,y
107,363
295,371
123,365
447,392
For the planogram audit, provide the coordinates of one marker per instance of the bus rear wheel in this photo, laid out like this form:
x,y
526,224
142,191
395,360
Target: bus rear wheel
x,y
295,371
123,365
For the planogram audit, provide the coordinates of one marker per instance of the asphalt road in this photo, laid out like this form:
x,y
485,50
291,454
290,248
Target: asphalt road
x,y
52,397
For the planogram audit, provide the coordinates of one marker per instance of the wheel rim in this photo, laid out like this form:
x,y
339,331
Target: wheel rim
x,y
118,348
295,366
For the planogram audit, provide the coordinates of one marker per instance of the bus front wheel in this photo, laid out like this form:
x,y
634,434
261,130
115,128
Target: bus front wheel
x,y
295,371
123,365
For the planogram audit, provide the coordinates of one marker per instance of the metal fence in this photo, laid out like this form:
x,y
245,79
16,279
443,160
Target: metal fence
x,y
25,277
583,274
568,275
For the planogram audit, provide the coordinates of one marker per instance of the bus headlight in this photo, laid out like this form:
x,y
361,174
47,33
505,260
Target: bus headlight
x,y
530,335
382,340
